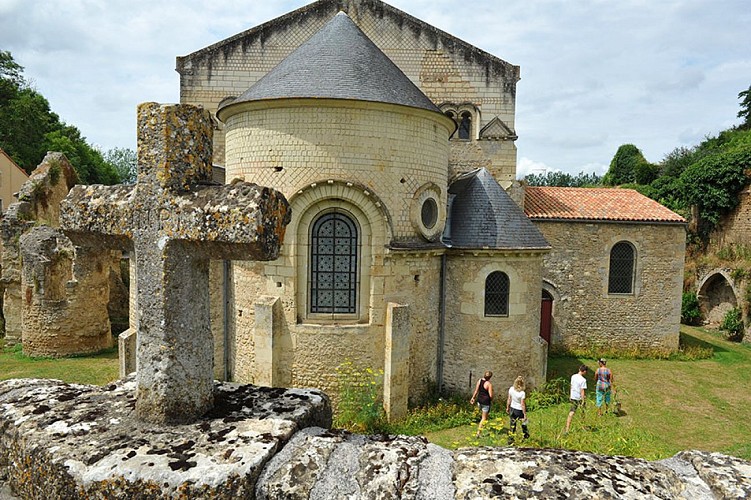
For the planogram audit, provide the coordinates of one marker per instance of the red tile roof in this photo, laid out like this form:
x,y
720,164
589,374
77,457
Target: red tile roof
x,y
607,204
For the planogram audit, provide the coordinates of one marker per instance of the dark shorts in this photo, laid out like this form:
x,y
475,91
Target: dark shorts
x,y
575,403
516,415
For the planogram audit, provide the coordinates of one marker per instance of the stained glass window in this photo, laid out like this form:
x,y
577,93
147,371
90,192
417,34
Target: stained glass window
x,y
496,294
333,264
621,276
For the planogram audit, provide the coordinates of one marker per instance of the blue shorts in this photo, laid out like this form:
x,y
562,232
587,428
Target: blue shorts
x,y
483,408
600,395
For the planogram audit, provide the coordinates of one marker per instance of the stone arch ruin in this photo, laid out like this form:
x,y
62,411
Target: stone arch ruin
x,y
717,295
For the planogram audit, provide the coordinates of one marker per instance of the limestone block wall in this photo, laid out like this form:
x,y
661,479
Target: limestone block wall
x,y
498,157
508,346
442,66
309,351
584,314
389,150
735,228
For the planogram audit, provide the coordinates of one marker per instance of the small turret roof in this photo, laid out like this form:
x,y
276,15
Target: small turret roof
x,y
483,215
338,62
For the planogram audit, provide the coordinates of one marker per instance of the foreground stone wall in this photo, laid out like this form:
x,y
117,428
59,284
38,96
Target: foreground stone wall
x,y
584,314
63,441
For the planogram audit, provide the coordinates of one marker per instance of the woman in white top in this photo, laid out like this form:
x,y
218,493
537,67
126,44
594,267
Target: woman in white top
x,y
516,405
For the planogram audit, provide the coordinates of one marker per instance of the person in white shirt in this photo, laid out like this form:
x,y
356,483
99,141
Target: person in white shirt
x,y
578,386
516,406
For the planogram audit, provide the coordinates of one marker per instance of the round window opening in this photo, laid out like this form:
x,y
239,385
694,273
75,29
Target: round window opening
x,y
429,213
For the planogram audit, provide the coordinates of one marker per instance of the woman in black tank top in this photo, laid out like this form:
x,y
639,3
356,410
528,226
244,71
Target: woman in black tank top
x,y
484,396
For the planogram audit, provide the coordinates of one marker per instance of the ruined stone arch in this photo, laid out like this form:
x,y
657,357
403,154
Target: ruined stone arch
x,y
717,295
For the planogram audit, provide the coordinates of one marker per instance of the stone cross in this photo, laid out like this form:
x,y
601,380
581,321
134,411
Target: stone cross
x,y
174,221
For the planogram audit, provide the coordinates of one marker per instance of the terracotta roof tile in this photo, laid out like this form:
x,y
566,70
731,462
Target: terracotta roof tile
x,y
607,204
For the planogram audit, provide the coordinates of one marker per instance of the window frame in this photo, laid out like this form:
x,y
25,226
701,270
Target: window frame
x,y
613,286
504,295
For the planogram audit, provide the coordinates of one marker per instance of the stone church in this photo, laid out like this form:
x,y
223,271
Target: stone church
x,y
412,249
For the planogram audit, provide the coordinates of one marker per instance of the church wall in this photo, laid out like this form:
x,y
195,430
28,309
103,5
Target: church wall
x,y
445,69
310,350
389,150
508,346
585,315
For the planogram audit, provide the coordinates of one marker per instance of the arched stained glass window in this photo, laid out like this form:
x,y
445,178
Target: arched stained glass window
x,y
496,294
333,264
621,275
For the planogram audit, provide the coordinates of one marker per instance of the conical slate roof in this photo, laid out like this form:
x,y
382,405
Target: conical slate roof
x,y
338,62
483,215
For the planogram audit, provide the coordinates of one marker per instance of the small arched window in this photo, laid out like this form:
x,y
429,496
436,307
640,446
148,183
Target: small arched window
x,y
496,294
621,274
465,126
333,264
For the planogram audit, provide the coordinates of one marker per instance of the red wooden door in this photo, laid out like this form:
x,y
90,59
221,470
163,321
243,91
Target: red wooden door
x,y
546,318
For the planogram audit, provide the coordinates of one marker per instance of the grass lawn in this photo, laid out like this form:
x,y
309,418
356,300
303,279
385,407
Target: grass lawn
x,y
97,369
668,406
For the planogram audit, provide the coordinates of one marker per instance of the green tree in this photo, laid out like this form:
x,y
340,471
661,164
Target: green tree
x,y
125,162
629,166
713,183
29,128
563,179
745,111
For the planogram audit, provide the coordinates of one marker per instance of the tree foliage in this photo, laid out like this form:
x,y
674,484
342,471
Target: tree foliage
x,y
745,111
29,128
125,163
563,179
629,166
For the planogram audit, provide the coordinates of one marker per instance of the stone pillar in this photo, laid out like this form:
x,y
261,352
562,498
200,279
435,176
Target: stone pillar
x,y
128,340
396,361
268,312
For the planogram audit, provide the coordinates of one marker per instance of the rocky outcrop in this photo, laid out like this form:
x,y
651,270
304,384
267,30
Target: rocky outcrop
x,y
64,441
68,441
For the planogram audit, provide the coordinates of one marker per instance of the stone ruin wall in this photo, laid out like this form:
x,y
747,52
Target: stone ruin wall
x,y
55,303
436,62
65,292
585,315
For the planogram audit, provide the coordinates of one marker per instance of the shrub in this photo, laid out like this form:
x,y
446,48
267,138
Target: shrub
x,y
360,405
550,393
732,323
690,308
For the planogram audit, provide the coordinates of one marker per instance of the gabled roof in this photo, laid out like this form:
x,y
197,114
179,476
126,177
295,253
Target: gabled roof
x,y
13,163
338,62
482,215
595,204
328,8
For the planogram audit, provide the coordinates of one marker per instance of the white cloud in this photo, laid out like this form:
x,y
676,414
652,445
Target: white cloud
x,y
595,74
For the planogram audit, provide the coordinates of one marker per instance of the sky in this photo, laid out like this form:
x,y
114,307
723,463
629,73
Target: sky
x,y
595,74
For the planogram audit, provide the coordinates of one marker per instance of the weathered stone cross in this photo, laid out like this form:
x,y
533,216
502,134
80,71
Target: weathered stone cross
x,y
174,222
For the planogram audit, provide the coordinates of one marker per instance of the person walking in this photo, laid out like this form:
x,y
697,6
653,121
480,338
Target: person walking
x,y
484,396
578,386
516,406
604,386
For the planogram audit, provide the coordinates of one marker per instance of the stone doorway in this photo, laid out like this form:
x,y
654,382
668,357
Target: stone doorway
x,y
546,316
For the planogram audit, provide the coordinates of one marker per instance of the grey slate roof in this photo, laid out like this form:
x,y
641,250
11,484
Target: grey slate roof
x,y
338,62
483,215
